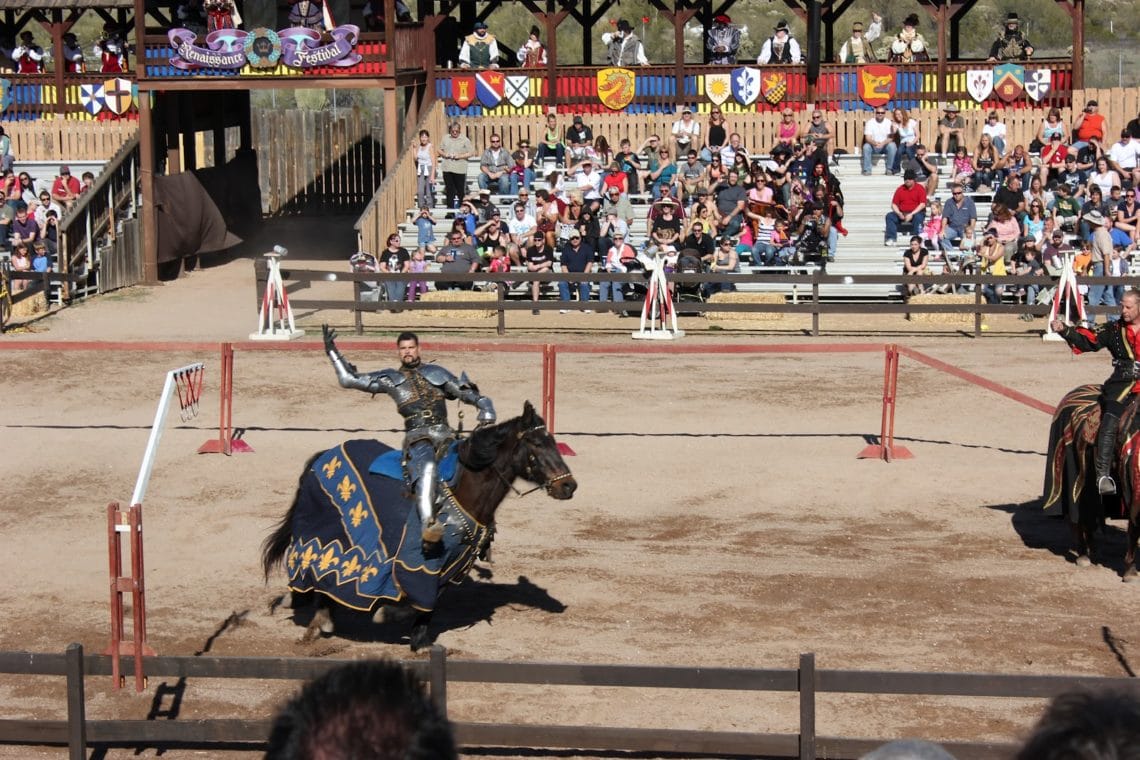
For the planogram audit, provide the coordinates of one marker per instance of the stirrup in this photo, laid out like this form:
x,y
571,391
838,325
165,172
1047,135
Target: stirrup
x,y
1106,485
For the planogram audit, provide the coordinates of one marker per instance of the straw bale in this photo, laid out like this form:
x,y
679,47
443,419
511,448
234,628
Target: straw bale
x,y
738,297
446,296
29,307
945,318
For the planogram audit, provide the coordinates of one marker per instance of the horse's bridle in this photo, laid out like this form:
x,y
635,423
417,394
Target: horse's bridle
x,y
529,473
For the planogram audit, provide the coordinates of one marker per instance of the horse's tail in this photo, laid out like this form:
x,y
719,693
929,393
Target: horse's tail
x,y
274,548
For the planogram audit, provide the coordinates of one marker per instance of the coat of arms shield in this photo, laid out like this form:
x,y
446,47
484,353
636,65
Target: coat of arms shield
x,y
980,83
1038,83
1009,81
517,89
616,87
463,90
718,88
774,86
745,85
490,86
117,95
876,84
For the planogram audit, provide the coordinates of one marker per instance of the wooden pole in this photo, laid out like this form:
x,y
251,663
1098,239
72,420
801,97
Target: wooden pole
x,y
148,215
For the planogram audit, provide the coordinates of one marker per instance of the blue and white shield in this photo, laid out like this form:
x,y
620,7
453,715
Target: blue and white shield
x,y
490,86
746,85
5,94
91,97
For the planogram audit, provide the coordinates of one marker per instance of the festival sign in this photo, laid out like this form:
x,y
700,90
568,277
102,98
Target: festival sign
x,y
980,83
118,95
1038,83
876,84
517,89
1009,81
774,86
490,88
296,48
616,88
718,88
745,85
5,94
92,97
463,90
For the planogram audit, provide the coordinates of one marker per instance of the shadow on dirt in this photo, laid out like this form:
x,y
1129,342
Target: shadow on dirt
x,y
1039,530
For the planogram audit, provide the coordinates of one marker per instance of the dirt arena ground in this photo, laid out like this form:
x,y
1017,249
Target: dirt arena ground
x,y
722,519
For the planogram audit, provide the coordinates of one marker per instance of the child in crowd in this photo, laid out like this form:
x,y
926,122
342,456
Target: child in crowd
x,y
499,261
425,230
782,243
932,228
418,265
21,262
963,166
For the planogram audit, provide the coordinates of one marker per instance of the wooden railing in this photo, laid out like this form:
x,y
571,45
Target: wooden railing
x,y
397,192
806,682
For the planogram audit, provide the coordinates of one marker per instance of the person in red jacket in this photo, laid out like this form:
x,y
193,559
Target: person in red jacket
x,y
908,206
65,188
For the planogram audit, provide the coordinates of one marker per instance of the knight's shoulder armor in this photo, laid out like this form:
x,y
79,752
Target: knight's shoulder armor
x,y
391,376
437,375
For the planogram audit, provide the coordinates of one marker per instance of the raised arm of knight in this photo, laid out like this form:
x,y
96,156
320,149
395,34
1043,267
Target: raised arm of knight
x,y
346,374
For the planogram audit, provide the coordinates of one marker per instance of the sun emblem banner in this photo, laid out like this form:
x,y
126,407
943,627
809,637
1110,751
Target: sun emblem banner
x,y
616,87
877,84
718,88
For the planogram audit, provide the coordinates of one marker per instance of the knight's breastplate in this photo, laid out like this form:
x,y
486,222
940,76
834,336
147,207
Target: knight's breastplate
x,y
420,403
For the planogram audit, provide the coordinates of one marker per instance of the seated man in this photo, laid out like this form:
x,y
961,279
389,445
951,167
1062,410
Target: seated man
x,y
731,199
495,167
878,137
925,172
951,130
959,215
908,206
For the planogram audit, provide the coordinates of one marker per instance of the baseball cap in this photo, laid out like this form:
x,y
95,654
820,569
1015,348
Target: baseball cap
x,y
64,170
577,119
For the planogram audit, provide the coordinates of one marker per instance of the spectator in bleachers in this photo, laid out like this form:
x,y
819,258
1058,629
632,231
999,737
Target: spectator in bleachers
x,y
601,151
907,133
691,176
482,207
6,157
781,47
520,175
1027,263
20,262
909,46
87,181
932,225
579,138
425,169
1066,209
878,138
1101,240
548,215
730,202
1053,252
532,53
1124,158
951,130
1104,177
1087,155
764,249
722,41
616,260
1011,196
724,261
618,203
758,189
1011,45
1050,125
1036,225
41,258
394,259
46,204
457,256
908,206
1127,220
49,232
551,146
610,224
524,197
577,257
454,150
995,129
1088,124
816,134
959,215
665,228
1018,162
26,189
72,54
812,233
615,179
786,132
28,56
425,230
480,49
985,164
24,228
65,188
962,166
1039,192
661,176
1094,201
522,226
916,263
741,168
623,48
1006,227
686,133
491,234
703,212
991,257
1053,156
698,239
630,164
729,152
587,180
495,166
1072,177
858,48
924,168
539,258
417,265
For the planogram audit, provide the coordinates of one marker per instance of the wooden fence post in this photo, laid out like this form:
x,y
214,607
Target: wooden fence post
x,y
76,706
807,706
437,678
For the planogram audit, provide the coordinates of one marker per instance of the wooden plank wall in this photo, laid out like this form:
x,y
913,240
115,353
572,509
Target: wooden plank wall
x,y
67,140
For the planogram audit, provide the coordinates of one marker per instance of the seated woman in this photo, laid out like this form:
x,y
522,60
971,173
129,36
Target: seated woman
x,y
1006,229
986,164
907,130
1050,125
995,129
916,263
1036,224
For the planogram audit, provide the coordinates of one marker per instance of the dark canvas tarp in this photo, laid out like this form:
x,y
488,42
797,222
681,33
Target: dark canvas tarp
x,y
189,222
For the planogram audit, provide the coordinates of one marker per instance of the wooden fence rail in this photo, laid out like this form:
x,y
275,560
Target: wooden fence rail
x,y
806,298
806,681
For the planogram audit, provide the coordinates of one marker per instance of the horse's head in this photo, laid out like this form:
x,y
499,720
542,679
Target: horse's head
x,y
537,459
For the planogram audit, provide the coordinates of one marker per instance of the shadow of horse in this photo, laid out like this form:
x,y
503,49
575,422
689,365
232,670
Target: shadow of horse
x,y
471,603
1039,529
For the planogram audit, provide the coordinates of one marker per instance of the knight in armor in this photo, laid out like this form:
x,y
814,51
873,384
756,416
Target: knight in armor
x,y
421,392
623,48
781,47
28,56
1122,339
480,50
909,46
532,54
111,49
858,48
1011,45
72,55
723,41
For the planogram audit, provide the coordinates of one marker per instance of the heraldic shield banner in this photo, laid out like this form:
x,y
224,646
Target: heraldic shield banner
x,y
615,88
1009,81
980,83
877,84
463,90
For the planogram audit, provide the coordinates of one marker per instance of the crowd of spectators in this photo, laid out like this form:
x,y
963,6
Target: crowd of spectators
x,y
573,203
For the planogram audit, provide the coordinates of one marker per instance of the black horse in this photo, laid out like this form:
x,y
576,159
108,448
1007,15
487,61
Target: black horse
x,y
353,536
1070,480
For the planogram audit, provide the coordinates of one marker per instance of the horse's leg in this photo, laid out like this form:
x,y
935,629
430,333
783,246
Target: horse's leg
x,y
1130,575
419,637
1083,540
393,613
322,622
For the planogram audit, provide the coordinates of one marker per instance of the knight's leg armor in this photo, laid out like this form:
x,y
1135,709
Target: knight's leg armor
x,y
423,473
1105,451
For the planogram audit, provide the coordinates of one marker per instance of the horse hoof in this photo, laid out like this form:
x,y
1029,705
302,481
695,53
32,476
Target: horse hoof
x,y
1083,561
323,621
1130,575
419,638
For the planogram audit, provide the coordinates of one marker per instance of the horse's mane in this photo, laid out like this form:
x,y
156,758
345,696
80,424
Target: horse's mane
x,y
481,449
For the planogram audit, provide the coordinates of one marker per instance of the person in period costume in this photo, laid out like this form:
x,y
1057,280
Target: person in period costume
x,y
623,48
532,54
421,392
480,49
781,47
73,62
111,50
28,56
1122,339
909,46
858,48
723,40
1012,44
308,14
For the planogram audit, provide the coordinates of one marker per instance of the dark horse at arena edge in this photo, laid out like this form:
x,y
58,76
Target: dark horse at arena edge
x,y
1069,473
353,536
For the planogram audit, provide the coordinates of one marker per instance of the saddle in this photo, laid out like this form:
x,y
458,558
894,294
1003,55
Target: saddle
x,y
390,465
